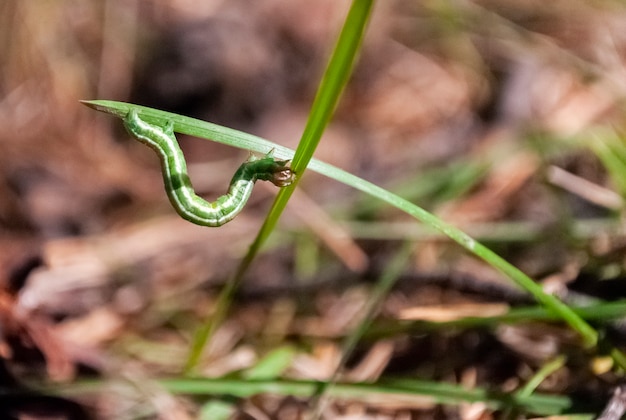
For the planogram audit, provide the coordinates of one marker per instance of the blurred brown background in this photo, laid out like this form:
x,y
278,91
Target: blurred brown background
x,y
93,260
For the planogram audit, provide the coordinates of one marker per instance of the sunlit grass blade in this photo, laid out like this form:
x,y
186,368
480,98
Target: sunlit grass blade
x,y
333,82
194,127
545,371
412,392
597,312
332,85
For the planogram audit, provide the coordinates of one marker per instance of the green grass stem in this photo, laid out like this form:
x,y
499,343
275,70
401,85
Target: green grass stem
x,y
413,392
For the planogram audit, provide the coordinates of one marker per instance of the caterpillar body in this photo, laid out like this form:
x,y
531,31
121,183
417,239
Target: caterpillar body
x,y
178,185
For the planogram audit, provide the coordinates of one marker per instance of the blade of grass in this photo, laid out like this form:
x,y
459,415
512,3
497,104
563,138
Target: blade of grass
x,y
533,383
332,85
333,82
410,390
597,312
193,127
507,232
546,370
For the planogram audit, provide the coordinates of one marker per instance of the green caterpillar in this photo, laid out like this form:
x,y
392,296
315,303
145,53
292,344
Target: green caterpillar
x,y
178,185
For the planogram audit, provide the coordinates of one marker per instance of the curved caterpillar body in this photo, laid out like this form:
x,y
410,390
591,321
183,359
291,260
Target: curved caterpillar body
x,y
178,185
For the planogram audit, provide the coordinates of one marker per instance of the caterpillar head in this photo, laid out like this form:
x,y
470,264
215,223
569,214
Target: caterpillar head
x,y
276,171
282,175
